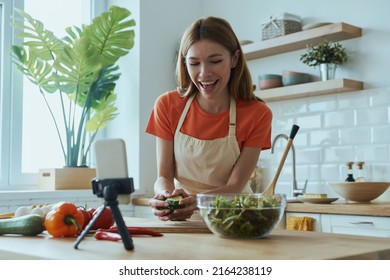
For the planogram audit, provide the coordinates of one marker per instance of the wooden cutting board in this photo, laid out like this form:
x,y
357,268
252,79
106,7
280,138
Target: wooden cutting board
x,y
189,226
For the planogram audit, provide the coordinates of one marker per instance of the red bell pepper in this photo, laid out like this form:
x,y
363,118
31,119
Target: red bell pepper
x,y
64,220
87,217
105,221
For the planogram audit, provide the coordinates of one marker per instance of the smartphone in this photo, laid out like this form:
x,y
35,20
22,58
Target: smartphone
x,y
111,162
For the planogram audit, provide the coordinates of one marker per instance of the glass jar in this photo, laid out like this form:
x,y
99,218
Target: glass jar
x,y
350,177
360,176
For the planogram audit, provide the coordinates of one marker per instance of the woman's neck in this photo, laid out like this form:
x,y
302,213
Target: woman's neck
x,y
214,106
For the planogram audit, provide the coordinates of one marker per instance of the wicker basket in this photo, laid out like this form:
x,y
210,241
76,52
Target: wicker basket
x,y
279,26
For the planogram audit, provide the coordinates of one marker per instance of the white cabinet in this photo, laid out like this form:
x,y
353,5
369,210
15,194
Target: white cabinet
x,y
356,225
348,224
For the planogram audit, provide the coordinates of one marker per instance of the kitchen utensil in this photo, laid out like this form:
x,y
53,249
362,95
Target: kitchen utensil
x,y
363,192
270,190
240,215
318,200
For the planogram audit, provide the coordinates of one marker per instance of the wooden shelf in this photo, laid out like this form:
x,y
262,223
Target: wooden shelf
x,y
299,40
309,89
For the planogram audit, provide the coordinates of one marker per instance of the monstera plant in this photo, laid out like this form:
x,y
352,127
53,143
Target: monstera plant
x,y
81,69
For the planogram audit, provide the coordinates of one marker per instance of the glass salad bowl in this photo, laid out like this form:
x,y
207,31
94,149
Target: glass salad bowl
x,y
241,216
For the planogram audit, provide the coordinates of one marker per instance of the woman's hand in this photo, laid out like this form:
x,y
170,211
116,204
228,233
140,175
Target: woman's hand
x,y
158,204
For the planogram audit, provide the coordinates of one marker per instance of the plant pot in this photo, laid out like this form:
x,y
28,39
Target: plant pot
x,y
67,178
327,71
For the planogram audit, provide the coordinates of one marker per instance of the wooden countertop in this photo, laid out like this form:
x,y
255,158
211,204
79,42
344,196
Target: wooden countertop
x,y
280,245
337,207
370,209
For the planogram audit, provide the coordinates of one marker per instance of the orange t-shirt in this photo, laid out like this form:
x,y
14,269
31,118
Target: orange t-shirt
x,y
253,121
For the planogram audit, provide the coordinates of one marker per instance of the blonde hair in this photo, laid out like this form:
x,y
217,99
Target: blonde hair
x,y
218,30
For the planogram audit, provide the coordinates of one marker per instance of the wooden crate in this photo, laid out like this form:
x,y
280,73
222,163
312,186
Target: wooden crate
x,y
66,178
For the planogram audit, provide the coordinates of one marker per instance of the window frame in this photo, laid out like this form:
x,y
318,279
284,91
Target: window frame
x,y
5,87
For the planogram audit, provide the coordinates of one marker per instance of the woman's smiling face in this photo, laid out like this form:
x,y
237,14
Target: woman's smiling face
x,y
209,65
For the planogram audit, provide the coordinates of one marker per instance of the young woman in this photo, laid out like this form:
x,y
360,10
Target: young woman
x,y
210,131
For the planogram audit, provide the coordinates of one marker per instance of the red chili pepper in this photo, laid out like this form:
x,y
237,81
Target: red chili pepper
x,y
112,233
137,231
104,235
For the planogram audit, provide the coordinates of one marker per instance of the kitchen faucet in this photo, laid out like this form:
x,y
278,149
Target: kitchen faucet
x,y
295,190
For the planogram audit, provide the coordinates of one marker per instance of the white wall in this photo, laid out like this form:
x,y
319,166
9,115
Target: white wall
x,y
334,128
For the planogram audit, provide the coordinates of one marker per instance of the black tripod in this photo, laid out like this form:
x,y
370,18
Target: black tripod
x,y
109,189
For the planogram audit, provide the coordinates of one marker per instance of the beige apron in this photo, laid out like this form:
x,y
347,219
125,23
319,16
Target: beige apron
x,y
203,165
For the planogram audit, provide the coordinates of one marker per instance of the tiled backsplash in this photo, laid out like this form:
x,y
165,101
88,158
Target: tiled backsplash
x,y
334,129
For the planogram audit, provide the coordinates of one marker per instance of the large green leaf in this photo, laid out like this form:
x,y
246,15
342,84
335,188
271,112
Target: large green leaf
x,y
104,113
100,89
111,35
42,43
104,85
38,71
77,67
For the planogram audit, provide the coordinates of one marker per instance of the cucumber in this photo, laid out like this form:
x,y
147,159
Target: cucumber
x,y
28,225
173,203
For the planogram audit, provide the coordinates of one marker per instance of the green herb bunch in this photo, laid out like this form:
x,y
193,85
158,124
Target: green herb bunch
x,y
325,52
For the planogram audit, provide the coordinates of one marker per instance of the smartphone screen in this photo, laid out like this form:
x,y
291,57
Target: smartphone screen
x,y
111,162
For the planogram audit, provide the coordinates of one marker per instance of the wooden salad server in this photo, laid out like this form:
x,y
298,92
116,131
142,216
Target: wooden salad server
x,y
270,190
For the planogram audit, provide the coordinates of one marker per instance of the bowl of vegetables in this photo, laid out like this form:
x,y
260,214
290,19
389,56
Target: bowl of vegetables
x,y
241,216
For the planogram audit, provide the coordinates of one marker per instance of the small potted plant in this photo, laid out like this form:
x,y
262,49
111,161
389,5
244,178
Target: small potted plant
x,y
80,69
327,56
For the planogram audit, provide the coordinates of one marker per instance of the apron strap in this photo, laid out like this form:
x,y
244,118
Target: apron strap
x,y
184,113
232,117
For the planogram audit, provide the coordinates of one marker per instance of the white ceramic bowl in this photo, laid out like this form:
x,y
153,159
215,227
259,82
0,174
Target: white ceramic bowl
x,y
241,215
359,191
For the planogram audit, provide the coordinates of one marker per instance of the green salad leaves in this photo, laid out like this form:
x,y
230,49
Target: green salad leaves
x,y
241,216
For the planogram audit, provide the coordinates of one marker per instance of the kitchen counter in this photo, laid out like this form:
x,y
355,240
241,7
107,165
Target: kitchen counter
x,y
281,244
343,208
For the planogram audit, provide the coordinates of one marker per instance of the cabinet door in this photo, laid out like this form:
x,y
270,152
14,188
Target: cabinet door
x,y
316,217
356,225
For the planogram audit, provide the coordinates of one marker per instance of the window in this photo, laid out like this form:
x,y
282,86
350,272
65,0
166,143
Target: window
x,y
28,138
40,145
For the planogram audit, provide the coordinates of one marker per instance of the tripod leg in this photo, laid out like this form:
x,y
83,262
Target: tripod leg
x,y
124,233
89,226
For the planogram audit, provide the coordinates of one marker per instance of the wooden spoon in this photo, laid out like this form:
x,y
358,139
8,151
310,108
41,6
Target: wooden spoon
x,y
270,190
